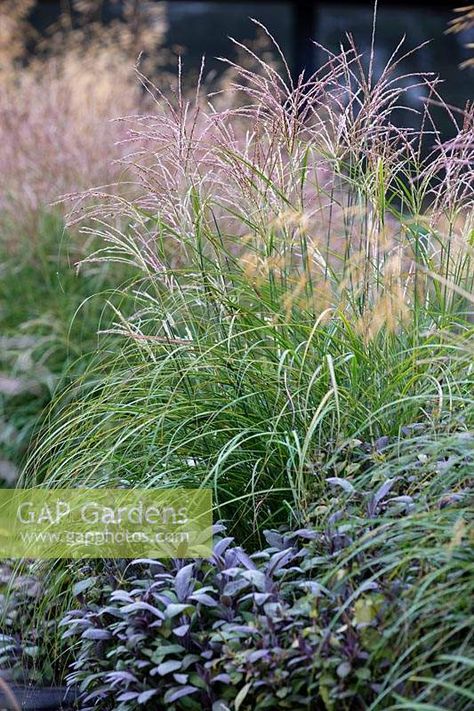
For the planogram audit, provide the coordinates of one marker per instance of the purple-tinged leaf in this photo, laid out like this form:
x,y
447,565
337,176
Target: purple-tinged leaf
x,y
222,545
143,607
240,629
117,677
217,528
181,630
223,678
96,634
274,539
257,578
146,695
335,517
141,664
305,533
176,608
258,654
83,585
128,696
244,559
279,560
261,598
220,705
164,649
121,596
382,443
148,561
203,599
343,483
184,582
273,609
181,678
344,669
235,586
177,692
382,492
189,659
171,665
315,588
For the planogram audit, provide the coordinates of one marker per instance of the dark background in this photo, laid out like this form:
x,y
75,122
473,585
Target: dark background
x,y
203,28
197,28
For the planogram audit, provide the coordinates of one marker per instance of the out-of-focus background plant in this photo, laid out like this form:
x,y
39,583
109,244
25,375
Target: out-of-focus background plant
x,y
464,21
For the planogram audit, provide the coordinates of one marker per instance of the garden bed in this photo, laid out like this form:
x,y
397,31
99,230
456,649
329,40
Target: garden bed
x,y
295,336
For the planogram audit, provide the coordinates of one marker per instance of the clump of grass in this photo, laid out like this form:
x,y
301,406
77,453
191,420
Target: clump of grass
x,y
305,279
